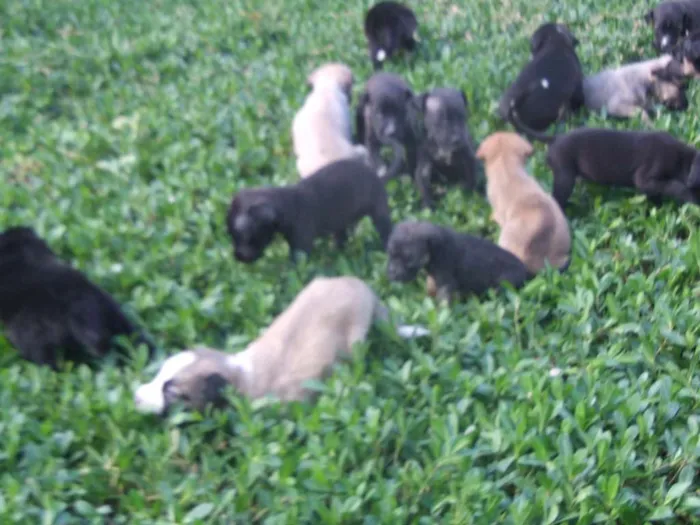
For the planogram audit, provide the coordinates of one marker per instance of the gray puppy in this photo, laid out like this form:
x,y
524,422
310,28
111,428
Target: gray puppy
x,y
385,117
330,202
457,263
445,150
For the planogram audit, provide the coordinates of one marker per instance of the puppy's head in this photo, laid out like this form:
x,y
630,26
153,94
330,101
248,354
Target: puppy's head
x,y
252,223
195,378
504,144
670,84
387,99
690,55
22,243
409,250
551,34
671,23
445,118
333,74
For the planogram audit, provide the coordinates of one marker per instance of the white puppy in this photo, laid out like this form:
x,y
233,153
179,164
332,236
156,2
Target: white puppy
x,y
322,129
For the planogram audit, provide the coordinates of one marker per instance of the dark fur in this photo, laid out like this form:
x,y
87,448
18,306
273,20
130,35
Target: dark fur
x,y
690,53
329,202
653,162
459,263
554,59
51,310
385,117
674,19
446,149
389,27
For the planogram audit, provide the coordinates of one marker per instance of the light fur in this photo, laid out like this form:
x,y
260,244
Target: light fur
x,y
322,129
533,227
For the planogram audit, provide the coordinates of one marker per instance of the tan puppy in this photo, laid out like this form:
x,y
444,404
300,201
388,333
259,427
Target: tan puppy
x,y
533,227
318,329
322,130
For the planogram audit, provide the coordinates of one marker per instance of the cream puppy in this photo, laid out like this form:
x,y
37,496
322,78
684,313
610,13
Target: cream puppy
x,y
322,129
318,329
533,227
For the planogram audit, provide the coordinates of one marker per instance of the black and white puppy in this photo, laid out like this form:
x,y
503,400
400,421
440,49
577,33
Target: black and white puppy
x,y
551,83
672,21
51,311
456,263
654,162
329,202
445,149
385,116
389,27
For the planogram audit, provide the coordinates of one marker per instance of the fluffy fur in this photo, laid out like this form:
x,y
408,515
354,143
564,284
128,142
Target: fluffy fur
x,y
321,129
389,27
653,162
549,86
330,202
672,21
456,263
319,328
51,311
533,227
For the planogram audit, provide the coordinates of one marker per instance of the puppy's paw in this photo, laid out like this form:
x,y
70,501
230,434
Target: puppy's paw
x,y
430,286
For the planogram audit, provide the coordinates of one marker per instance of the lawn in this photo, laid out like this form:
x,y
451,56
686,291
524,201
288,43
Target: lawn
x,y
125,128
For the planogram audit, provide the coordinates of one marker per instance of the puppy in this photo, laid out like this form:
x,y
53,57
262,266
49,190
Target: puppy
x,y
389,27
533,227
672,21
321,129
445,150
329,202
550,85
318,329
51,311
690,55
653,162
385,116
630,89
457,263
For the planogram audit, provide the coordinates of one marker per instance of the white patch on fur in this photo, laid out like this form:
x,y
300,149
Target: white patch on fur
x,y
242,361
412,331
545,83
148,397
381,55
381,172
433,103
664,40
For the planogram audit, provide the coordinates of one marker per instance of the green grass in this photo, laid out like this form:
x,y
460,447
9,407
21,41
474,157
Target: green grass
x,y
116,125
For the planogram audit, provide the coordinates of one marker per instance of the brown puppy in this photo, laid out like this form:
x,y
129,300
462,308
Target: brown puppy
x,y
533,227
319,328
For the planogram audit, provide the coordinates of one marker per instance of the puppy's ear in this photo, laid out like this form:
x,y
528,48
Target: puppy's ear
x,y
265,212
649,17
213,387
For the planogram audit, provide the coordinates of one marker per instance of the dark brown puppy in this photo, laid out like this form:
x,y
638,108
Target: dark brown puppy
x,y
654,162
51,310
457,263
329,202
445,150
550,85
672,21
389,27
385,116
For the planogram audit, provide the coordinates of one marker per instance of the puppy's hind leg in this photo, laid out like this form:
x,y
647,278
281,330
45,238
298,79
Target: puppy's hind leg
x,y
423,176
381,218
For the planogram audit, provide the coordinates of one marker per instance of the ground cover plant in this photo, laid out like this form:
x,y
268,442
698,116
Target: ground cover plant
x,y
126,126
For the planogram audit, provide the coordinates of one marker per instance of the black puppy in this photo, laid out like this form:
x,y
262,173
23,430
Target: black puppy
x,y
550,85
689,55
457,263
385,116
389,27
445,150
328,202
654,162
672,21
50,309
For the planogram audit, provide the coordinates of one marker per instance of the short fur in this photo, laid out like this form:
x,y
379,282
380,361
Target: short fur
x,y
672,21
533,227
51,310
653,162
319,328
456,263
550,85
330,202
322,129
389,27
445,150
631,89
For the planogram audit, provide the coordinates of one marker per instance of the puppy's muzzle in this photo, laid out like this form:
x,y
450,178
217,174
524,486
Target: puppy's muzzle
x,y
246,254
400,273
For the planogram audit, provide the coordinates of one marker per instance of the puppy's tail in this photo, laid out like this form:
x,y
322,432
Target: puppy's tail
x,y
515,118
381,314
